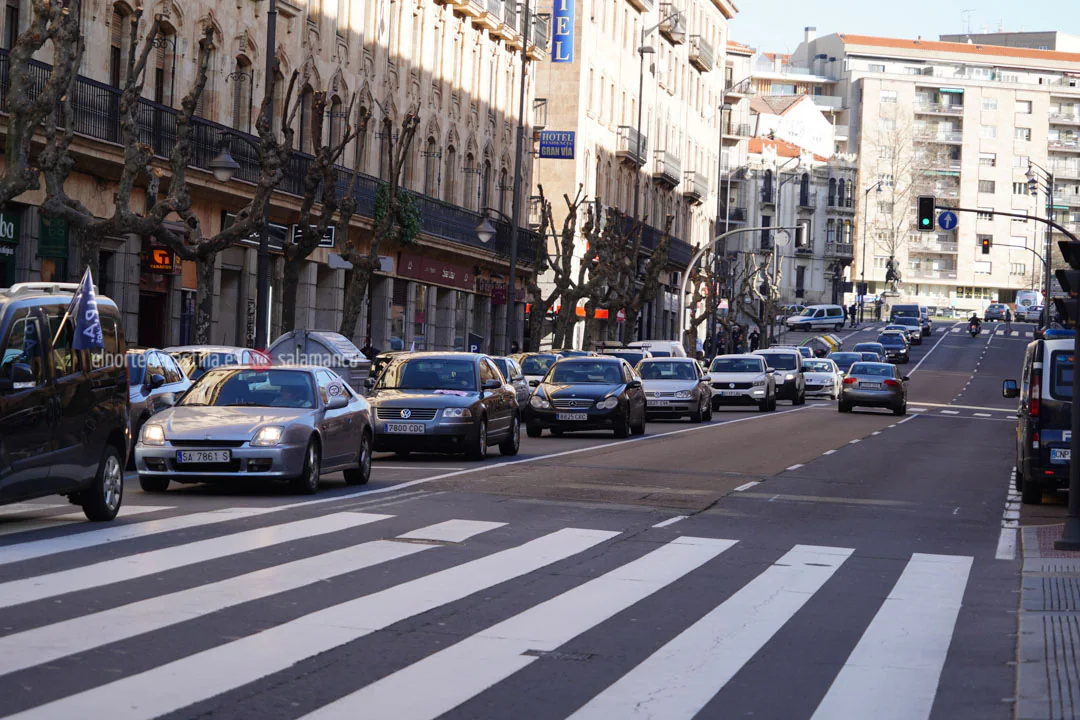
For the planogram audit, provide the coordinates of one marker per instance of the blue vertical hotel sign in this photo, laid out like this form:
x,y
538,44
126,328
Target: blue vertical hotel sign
x,y
562,37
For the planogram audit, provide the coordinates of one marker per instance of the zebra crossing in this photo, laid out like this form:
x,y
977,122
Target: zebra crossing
x,y
1000,332
113,605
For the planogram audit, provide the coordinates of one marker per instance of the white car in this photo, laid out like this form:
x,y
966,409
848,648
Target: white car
x,y
818,317
742,380
1031,313
823,378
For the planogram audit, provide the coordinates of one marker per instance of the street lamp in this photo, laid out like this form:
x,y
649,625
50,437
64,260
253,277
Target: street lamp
x,y
1039,176
223,166
485,230
862,240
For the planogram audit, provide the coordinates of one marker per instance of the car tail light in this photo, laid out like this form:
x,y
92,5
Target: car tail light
x,y
1035,393
851,381
892,383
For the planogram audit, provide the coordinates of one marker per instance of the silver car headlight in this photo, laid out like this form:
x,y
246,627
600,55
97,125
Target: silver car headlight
x,y
458,413
539,402
759,383
607,403
152,434
789,376
268,436
683,394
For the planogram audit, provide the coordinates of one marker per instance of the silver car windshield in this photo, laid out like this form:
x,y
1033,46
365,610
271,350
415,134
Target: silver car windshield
x,y
666,371
252,388
430,374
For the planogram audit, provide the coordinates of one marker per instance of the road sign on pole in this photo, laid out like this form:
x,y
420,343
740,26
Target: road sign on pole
x,y
947,220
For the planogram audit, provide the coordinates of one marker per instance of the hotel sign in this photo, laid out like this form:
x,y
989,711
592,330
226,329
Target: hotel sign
x,y
557,145
562,35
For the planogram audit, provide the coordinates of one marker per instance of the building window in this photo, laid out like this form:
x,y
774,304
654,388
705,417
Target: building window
x,y
1017,268
988,159
306,100
431,168
888,96
1021,161
983,267
164,59
987,186
989,103
118,47
830,231
451,175
875,68
984,214
1022,133
766,232
1023,107
832,192
11,23
987,132
241,99
1020,188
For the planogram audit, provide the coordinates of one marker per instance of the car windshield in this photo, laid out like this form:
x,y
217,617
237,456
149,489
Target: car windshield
x,y
538,364
224,387
1061,374
583,373
808,312
871,356
736,365
136,364
780,361
845,360
907,321
890,339
428,373
818,366
872,370
867,347
907,311
667,371
196,362
660,353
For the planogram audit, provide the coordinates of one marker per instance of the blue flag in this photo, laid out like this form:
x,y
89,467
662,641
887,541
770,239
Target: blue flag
x,y
87,319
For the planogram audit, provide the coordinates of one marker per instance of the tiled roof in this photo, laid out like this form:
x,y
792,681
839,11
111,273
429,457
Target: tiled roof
x,y
738,47
774,104
784,57
960,48
782,148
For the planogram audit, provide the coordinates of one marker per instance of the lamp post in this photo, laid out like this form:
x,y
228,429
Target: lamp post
x,y
725,188
236,76
486,232
862,241
1039,176
163,41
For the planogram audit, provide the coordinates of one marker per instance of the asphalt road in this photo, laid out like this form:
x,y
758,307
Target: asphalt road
x,y
796,564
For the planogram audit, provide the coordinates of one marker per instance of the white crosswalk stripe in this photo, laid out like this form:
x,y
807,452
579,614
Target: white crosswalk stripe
x,y
892,671
55,521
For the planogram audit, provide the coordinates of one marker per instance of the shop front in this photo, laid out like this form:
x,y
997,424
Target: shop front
x,y
10,234
53,249
158,266
434,304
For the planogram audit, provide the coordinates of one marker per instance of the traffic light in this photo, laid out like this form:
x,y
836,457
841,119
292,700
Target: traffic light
x,y
986,244
926,213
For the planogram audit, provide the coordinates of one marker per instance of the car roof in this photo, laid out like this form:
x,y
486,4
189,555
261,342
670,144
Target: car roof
x,y
590,358
263,368
206,348
876,364
789,351
738,356
668,359
447,355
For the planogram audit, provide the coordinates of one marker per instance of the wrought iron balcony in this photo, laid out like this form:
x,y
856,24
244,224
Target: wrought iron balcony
x,y
737,130
701,53
667,169
674,29
695,186
730,214
97,116
843,251
632,146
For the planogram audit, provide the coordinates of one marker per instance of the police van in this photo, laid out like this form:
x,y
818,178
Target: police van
x,y
1043,427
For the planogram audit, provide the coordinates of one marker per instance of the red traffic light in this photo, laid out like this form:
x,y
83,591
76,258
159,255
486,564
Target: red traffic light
x,y
986,245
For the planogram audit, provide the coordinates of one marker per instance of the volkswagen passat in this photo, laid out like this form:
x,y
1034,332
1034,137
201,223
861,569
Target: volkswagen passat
x,y
674,388
742,380
446,403
588,393
284,423
869,384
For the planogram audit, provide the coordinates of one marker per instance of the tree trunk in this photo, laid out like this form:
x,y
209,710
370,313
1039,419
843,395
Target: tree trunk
x,y
590,321
290,285
630,334
89,255
537,312
355,293
204,298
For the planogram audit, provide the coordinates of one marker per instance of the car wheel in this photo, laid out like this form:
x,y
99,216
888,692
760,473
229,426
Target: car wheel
x,y
623,429
698,414
307,482
1031,493
901,410
510,445
478,450
639,429
360,474
153,484
708,412
843,407
764,406
533,431
801,400
101,501
556,432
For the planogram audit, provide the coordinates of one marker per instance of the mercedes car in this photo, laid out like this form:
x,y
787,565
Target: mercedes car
x,y
588,393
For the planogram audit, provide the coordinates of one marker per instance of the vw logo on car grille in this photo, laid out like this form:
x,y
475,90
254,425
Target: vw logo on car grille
x,y
406,413
732,385
656,394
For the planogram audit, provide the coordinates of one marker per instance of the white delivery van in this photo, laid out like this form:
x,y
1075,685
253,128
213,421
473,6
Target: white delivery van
x,y
660,348
818,317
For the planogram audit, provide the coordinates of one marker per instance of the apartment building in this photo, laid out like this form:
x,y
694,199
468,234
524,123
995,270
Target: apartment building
x,y
671,159
458,61
962,121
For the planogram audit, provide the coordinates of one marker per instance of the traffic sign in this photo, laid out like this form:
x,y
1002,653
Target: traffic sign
x,y
620,317
947,220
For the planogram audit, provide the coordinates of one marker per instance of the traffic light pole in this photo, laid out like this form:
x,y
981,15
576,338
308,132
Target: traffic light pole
x,y
1044,221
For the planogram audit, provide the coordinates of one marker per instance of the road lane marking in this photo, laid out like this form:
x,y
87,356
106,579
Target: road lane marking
x,y
51,642
670,521
852,442
380,466
152,562
795,466
959,407
747,486
66,519
451,531
928,353
876,432
466,669
176,685
679,679
1006,546
950,412
983,415
25,507
893,671
828,452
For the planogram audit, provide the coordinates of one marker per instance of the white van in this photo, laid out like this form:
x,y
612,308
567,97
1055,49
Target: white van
x,y
660,348
818,317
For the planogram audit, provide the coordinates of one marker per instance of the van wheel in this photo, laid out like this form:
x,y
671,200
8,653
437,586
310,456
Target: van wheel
x,y
838,327
154,484
101,501
1031,494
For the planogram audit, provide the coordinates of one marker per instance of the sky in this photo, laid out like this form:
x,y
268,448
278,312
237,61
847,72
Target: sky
x,y
777,25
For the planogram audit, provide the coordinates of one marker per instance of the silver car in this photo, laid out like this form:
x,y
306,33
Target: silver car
x,y
290,423
197,359
155,382
675,387
874,384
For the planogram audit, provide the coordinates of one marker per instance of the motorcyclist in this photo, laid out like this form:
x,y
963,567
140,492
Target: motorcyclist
x,y
974,320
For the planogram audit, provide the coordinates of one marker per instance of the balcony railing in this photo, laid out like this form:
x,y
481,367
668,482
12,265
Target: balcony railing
x,y
97,115
937,108
679,253
930,274
1065,145
539,32
674,29
841,132
841,203
667,168
701,53
730,213
839,250
1065,170
737,129
943,136
927,243
695,186
642,5
1064,118
632,146
828,102
807,199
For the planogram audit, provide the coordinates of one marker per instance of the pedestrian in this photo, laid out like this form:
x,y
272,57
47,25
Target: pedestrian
x,y
755,339
852,311
515,348
1008,321
877,309
845,314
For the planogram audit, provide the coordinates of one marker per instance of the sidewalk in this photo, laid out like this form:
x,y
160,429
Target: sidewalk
x,y
1048,673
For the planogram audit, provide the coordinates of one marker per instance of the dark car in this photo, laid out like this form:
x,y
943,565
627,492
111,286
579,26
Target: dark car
x,y
156,382
995,312
589,393
444,402
845,360
64,426
872,357
535,365
516,379
896,347
874,347
789,377
874,385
